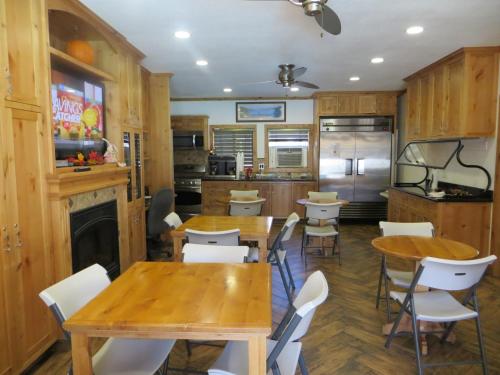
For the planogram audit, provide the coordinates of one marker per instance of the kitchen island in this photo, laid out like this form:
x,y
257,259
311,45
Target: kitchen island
x,y
280,194
461,218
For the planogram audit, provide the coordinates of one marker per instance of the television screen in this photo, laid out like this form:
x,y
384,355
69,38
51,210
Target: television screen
x,y
78,119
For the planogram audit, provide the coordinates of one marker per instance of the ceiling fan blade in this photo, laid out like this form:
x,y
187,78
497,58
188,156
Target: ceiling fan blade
x,y
329,21
258,83
306,85
299,71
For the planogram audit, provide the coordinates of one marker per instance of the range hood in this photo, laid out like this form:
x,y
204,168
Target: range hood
x,y
429,154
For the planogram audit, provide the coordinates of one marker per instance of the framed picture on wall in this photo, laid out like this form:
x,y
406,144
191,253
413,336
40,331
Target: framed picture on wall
x,y
260,111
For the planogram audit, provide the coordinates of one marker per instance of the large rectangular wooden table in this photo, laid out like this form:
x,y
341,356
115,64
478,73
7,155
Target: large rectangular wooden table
x,y
179,301
252,228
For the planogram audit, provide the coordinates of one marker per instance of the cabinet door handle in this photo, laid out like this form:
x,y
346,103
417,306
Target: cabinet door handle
x,y
6,239
19,243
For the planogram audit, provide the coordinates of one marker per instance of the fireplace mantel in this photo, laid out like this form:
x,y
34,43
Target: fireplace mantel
x,y
65,184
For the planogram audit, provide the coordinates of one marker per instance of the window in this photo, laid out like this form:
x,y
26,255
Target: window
x,y
229,140
288,147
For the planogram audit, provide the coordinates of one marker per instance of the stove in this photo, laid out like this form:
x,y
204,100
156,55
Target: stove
x,y
187,181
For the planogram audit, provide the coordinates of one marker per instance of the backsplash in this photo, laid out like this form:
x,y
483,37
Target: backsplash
x,y
199,157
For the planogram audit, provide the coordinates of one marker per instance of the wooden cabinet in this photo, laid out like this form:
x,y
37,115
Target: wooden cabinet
x,y
280,196
454,97
281,205
130,88
132,150
193,123
26,259
355,103
467,222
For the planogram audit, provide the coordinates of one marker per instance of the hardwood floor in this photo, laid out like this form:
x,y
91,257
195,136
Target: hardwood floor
x,y
345,335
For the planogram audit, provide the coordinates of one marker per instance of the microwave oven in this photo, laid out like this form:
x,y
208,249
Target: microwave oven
x,y
187,140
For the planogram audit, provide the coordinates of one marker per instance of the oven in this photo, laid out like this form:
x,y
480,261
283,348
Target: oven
x,y
187,178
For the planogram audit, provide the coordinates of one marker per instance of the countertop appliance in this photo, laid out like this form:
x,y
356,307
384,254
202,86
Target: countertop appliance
x,y
222,165
187,179
355,161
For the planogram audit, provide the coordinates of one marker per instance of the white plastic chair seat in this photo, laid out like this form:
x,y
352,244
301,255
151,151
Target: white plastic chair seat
x,y
234,358
316,221
402,279
253,255
131,356
324,231
437,306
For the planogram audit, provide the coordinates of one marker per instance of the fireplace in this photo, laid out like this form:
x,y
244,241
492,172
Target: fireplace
x,y
95,238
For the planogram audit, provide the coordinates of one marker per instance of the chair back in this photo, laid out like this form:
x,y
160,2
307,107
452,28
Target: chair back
x,y
424,229
315,195
246,208
173,220
71,294
159,208
322,211
235,194
312,294
195,253
289,226
222,238
453,275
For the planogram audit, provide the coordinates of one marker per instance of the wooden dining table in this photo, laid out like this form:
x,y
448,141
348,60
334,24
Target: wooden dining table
x,y
171,300
303,201
252,228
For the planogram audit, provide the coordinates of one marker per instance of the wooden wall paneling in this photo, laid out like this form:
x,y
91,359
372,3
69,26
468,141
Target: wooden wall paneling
x,y
161,133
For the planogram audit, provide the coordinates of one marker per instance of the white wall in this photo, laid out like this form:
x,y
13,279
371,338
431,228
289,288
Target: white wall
x,y
223,112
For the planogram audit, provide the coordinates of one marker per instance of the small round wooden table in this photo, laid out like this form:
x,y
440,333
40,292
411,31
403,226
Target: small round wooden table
x,y
417,248
303,201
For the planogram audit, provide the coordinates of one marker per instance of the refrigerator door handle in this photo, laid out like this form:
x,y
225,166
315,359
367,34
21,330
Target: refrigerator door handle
x,y
348,167
360,167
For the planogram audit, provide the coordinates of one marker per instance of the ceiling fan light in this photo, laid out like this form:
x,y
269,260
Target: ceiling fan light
x,y
294,89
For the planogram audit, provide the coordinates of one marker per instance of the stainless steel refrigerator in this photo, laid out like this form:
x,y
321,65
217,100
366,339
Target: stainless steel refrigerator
x,y
355,161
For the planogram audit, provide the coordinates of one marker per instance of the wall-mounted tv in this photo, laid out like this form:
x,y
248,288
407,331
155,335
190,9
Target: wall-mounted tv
x,y
77,119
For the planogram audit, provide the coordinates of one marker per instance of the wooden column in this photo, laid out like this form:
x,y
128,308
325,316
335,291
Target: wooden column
x,y
495,225
161,149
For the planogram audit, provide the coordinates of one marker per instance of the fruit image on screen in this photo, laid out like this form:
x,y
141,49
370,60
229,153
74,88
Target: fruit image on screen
x,y
92,113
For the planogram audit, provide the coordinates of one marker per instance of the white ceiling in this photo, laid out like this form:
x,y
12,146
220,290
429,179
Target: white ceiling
x,y
244,41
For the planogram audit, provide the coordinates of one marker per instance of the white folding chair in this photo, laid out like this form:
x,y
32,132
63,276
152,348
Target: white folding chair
x,y
246,208
229,237
321,211
401,279
318,195
196,253
173,220
437,305
238,194
284,347
116,356
277,253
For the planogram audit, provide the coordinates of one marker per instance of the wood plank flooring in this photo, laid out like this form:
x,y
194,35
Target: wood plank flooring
x,y
345,336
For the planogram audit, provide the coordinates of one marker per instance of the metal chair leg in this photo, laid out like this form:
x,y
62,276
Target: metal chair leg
x,y
337,245
394,327
302,364
285,284
416,337
387,296
292,283
380,282
480,336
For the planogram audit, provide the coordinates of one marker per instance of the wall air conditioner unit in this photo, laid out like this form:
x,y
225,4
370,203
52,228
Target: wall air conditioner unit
x,y
287,157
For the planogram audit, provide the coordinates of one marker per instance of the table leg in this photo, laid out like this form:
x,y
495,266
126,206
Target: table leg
x,y
262,243
177,249
80,351
257,355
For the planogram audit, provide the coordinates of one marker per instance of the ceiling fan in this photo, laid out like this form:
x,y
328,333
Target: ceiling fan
x,y
287,75
324,15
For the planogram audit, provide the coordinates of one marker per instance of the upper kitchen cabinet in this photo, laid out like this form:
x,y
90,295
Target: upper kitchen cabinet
x,y
355,103
192,124
455,97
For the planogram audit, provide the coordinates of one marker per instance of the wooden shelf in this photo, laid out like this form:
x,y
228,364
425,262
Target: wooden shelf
x,y
66,60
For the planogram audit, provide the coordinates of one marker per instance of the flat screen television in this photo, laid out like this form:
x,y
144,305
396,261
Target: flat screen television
x,y
77,119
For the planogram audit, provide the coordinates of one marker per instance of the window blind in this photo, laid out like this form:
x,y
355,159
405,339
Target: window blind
x,y
288,137
230,141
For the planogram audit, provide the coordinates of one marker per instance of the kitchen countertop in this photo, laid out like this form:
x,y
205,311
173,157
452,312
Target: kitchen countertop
x,y
263,179
420,192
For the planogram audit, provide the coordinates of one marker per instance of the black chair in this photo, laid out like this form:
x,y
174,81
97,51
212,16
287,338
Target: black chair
x,y
159,208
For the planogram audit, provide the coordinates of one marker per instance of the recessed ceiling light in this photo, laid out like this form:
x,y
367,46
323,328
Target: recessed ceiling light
x,y
377,60
228,89
294,89
412,30
181,34
202,62
354,78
